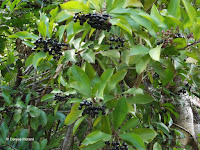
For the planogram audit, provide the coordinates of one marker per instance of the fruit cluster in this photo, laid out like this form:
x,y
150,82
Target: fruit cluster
x,y
116,145
60,97
50,46
91,110
116,42
167,38
98,21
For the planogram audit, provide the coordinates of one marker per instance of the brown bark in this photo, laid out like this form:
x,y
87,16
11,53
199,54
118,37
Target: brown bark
x,y
68,138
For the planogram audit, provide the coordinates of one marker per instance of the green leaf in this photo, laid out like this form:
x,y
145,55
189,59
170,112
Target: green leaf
x,y
98,145
157,146
11,58
17,115
181,42
132,3
190,10
83,81
105,125
62,16
117,77
34,111
157,18
142,64
36,145
24,35
4,130
29,60
131,123
104,79
139,49
174,8
47,96
70,55
61,32
95,137
96,4
34,123
140,99
147,135
162,127
73,115
90,71
74,6
43,144
122,23
148,4
37,58
155,53
135,139
6,97
43,118
134,91
28,43
120,112
89,55
25,118
78,122
113,54
42,28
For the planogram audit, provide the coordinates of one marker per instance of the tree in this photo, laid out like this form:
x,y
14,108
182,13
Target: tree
x,y
99,74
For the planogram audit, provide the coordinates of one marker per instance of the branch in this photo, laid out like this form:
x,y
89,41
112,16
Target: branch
x,y
19,79
68,138
38,81
196,42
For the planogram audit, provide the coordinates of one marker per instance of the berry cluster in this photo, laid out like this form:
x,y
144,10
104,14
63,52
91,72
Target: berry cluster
x,y
50,46
91,110
116,42
98,21
116,145
63,98
167,38
60,97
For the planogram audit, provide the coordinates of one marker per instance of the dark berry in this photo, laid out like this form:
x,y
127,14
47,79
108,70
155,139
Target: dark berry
x,y
80,107
107,142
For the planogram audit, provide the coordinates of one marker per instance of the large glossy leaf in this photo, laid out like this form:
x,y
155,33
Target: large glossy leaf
x,y
96,146
82,79
4,130
131,123
74,6
140,99
34,123
73,115
105,125
117,77
89,56
157,146
190,10
174,8
122,23
37,58
42,28
148,4
120,112
147,135
113,54
142,64
158,19
134,139
24,35
132,3
6,96
63,15
70,55
95,137
104,79
43,118
78,122
139,49
155,53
